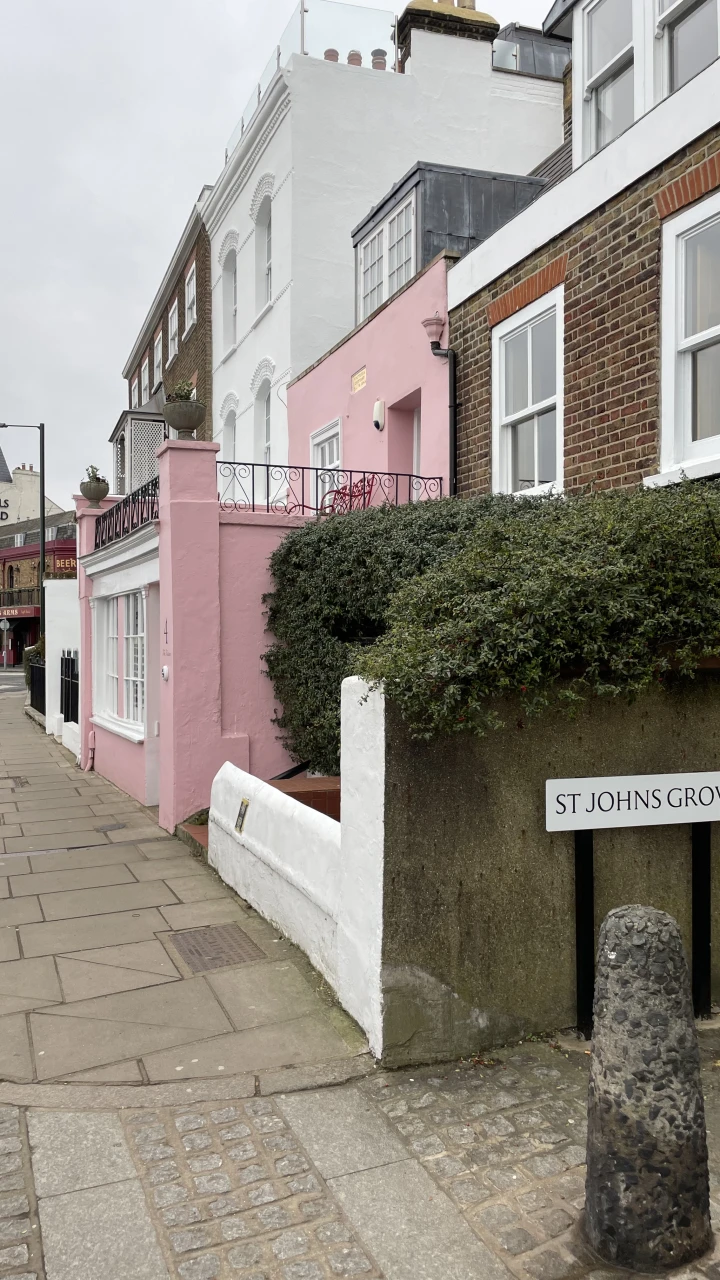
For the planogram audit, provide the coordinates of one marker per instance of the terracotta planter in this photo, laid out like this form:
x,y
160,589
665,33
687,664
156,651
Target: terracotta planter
x,y
94,491
184,416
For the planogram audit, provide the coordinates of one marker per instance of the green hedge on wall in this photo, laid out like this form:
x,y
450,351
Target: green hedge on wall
x,y
593,596
333,582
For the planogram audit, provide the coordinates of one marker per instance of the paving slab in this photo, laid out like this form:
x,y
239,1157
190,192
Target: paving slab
x,y
15,1059
163,847
94,902
64,881
82,981
93,856
264,993
16,911
283,1044
64,1046
116,1073
341,1131
75,1150
51,843
204,888
59,826
16,865
11,829
106,1232
193,914
412,1228
187,1004
9,949
144,832
35,978
183,865
150,957
75,935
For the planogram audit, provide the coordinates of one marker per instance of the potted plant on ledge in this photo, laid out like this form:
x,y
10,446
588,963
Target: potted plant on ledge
x,y
95,488
181,412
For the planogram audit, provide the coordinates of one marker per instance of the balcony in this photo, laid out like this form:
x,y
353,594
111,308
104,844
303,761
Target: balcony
x,y
22,602
330,30
314,491
134,511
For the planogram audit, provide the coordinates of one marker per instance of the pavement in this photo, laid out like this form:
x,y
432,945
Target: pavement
x,y
182,1099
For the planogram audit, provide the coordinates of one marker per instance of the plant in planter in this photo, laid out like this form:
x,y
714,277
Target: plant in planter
x,y
181,412
95,488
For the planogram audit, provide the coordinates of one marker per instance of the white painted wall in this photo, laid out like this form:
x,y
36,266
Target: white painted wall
x,y
20,499
319,881
335,139
62,631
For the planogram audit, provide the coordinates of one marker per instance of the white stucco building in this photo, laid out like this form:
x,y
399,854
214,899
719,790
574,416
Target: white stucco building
x,y
327,134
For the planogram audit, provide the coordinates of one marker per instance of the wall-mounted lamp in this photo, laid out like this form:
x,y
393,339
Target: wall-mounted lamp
x,y
433,328
379,415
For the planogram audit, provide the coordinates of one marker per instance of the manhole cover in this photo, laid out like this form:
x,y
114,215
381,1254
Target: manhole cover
x,y
216,947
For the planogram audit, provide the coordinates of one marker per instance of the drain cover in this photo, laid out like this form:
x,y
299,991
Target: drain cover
x,y
216,947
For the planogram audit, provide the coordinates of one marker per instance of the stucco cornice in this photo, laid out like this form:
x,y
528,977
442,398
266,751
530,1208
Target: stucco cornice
x,y
135,549
246,155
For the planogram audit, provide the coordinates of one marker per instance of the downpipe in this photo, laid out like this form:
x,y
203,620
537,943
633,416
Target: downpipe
x,y
451,357
90,766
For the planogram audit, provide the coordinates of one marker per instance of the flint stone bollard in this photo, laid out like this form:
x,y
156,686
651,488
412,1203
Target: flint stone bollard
x,y
647,1192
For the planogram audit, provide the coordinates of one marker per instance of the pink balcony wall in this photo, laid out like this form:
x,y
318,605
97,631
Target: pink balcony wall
x,y
394,350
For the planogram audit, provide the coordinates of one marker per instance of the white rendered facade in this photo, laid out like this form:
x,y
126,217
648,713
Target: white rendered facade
x,y
326,144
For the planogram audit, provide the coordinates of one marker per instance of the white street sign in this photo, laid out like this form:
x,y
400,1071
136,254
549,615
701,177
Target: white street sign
x,y
4,624
642,800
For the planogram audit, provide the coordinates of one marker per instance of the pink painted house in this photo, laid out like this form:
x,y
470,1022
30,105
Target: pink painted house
x,y
379,401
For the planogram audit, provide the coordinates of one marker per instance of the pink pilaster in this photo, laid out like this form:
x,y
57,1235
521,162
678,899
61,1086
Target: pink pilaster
x,y
190,709
86,517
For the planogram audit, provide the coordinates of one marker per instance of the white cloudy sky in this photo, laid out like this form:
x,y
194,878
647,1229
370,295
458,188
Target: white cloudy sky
x,y
113,114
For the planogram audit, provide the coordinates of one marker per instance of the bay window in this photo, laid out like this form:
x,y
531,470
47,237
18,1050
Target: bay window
x,y
111,657
527,380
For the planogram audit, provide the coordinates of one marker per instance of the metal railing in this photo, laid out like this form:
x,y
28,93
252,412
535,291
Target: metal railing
x,y
285,490
138,508
37,685
69,687
20,596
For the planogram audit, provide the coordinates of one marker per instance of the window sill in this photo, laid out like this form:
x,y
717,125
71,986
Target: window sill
x,y
262,313
171,361
189,330
230,352
121,728
696,470
539,491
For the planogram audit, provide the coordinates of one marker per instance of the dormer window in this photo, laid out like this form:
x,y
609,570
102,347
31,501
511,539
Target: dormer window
x,y
609,70
386,259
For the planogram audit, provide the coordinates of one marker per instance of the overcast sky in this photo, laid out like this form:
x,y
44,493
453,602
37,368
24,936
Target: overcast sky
x,y
112,117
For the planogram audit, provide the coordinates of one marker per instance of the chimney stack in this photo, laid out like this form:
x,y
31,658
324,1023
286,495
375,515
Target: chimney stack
x,y
354,58
379,59
332,55
465,4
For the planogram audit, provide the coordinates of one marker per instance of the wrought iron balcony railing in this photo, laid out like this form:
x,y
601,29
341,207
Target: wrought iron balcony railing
x,y
317,491
138,508
14,598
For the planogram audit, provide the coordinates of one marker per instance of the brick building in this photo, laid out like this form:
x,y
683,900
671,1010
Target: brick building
x,y
587,330
20,575
173,346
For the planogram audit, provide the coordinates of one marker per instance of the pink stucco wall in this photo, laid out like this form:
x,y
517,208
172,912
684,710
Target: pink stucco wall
x,y
401,370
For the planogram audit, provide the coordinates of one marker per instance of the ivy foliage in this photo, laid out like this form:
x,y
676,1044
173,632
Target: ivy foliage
x,y
602,595
333,583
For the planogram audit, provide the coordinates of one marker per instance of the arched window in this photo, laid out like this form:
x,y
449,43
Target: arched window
x,y
11,577
228,438
263,254
230,300
263,423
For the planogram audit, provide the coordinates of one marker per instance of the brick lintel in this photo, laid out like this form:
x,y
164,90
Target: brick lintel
x,y
528,291
689,187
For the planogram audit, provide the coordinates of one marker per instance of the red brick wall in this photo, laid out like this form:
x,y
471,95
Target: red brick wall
x,y
612,331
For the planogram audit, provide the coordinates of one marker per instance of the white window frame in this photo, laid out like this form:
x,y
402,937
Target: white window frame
x,y
268,258
190,300
383,229
157,361
662,24
680,455
108,670
173,333
145,381
112,656
501,465
317,440
135,394
134,645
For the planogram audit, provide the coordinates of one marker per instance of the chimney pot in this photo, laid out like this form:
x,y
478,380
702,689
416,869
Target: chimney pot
x,y
332,55
31,466
354,58
379,59
23,466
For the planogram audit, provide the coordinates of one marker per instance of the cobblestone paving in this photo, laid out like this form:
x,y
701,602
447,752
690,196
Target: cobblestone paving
x,y
233,1194
20,1244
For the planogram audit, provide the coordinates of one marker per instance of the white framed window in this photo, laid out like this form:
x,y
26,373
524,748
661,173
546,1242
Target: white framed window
x,y
609,70
690,375
264,255
267,413
134,394
325,457
230,300
145,381
190,299
386,260
687,32
527,394
173,332
157,361
268,257
111,656
134,655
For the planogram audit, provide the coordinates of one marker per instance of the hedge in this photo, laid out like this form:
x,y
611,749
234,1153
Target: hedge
x,y
333,582
556,601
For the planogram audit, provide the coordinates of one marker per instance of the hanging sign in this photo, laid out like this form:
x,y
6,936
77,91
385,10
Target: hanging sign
x,y
642,800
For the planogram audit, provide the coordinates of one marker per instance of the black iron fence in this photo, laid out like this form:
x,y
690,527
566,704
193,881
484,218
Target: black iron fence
x,y
69,687
138,508
256,486
37,684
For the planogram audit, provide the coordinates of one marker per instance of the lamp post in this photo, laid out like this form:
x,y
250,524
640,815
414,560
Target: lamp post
x,y
36,426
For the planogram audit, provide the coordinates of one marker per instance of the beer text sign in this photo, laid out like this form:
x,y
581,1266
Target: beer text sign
x,y
645,800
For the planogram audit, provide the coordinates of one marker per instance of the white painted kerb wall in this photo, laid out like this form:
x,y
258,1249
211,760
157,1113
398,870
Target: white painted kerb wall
x,y
62,631
319,881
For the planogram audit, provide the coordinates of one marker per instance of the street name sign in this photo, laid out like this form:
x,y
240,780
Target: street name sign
x,y
641,800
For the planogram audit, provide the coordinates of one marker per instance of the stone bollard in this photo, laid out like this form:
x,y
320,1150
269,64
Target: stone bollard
x,y
647,1193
